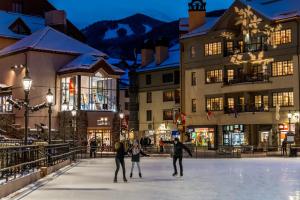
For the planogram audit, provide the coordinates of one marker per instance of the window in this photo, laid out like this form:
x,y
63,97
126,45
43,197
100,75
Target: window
x,y
149,115
283,98
176,77
127,93
214,76
193,51
213,49
4,105
193,78
230,103
168,96
149,97
148,79
214,104
17,7
230,74
282,68
126,105
194,106
168,78
167,115
229,47
281,37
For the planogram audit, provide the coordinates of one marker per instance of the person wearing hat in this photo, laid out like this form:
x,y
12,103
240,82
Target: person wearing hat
x,y
135,152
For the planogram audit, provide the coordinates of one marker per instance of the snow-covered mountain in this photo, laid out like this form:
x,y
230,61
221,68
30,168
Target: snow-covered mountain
x,y
121,37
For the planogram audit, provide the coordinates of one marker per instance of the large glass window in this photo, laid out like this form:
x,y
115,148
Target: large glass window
x,y
281,37
97,92
283,98
214,76
213,49
214,104
4,105
282,68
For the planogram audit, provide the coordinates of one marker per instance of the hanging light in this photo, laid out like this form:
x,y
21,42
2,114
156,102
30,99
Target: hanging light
x,y
74,112
64,106
50,97
27,81
121,115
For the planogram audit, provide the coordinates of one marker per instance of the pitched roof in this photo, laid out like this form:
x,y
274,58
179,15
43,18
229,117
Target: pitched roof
x,y
275,9
173,61
50,40
8,18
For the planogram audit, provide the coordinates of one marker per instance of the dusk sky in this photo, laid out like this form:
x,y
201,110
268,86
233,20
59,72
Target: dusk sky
x,y
85,12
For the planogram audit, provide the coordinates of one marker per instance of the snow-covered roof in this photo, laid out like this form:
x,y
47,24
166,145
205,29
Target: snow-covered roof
x,y
7,18
49,39
89,63
173,61
210,22
275,9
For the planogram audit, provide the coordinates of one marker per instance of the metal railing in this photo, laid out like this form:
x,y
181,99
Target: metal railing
x,y
247,78
246,48
253,107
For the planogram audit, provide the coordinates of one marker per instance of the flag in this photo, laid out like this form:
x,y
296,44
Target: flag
x,y
209,114
277,114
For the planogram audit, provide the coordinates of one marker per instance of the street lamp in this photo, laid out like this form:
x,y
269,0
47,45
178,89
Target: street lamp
x,y
121,115
290,117
74,113
50,99
27,82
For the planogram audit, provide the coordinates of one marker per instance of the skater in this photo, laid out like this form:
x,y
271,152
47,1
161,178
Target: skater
x,y
284,147
93,148
119,146
161,145
177,155
136,151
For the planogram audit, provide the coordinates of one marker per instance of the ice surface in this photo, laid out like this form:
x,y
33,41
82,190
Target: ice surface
x,y
220,179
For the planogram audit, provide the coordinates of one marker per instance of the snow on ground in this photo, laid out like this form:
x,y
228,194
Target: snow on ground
x,y
211,179
147,28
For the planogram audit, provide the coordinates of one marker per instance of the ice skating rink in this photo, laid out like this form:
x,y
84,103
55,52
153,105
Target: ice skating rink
x,y
207,179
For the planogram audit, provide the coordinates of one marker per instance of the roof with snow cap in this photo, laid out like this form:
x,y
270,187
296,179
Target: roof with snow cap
x,y
173,61
7,18
50,40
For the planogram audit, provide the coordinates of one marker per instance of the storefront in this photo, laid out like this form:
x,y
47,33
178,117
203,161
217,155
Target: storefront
x,y
283,130
234,135
102,135
203,136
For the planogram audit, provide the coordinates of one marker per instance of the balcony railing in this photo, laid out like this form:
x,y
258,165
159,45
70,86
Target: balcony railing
x,y
247,78
253,107
246,48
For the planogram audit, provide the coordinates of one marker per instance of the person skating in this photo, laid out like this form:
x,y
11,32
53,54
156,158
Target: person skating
x,y
120,153
177,155
93,148
135,152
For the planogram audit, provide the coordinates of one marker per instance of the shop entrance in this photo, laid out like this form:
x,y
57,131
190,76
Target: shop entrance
x,y
233,135
203,136
103,137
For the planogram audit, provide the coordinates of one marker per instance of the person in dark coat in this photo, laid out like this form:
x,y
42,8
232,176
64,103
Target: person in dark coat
x,y
135,152
177,155
284,147
120,153
93,148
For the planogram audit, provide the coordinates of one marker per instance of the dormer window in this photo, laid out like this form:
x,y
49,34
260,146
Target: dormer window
x,y
20,27
17,6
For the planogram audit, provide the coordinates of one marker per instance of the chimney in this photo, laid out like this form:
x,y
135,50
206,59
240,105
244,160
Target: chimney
x,y
197,14
56,19
161,50
147,53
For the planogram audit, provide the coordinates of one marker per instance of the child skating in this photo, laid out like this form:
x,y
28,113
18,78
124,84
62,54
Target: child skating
x,y
135,152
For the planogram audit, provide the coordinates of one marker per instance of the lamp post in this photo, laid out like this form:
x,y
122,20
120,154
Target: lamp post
x,y
289,117
121,115
50,99
74,113
27,82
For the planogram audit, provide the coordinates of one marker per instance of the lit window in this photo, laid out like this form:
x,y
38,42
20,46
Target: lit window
x,y
168,115
214,76
213,49
281,37
282,68
193,52
168,96
230,75
214,104
4,105
283,99
230,103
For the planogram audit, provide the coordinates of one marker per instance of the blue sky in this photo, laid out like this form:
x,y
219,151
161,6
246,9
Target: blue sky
x,y
85,12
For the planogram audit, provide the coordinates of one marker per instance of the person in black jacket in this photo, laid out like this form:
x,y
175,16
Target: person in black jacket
x,y
135,152
119,146
177,155
93,148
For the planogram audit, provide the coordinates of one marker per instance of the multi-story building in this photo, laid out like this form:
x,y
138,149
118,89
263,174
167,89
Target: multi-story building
x,y
80,77
240,73
158,81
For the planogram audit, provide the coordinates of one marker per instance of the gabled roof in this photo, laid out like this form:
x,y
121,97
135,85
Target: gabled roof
x,y
8,18
90,63
50,40
173,61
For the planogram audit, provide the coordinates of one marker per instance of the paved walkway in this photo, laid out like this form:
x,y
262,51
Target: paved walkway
x,y
210,179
